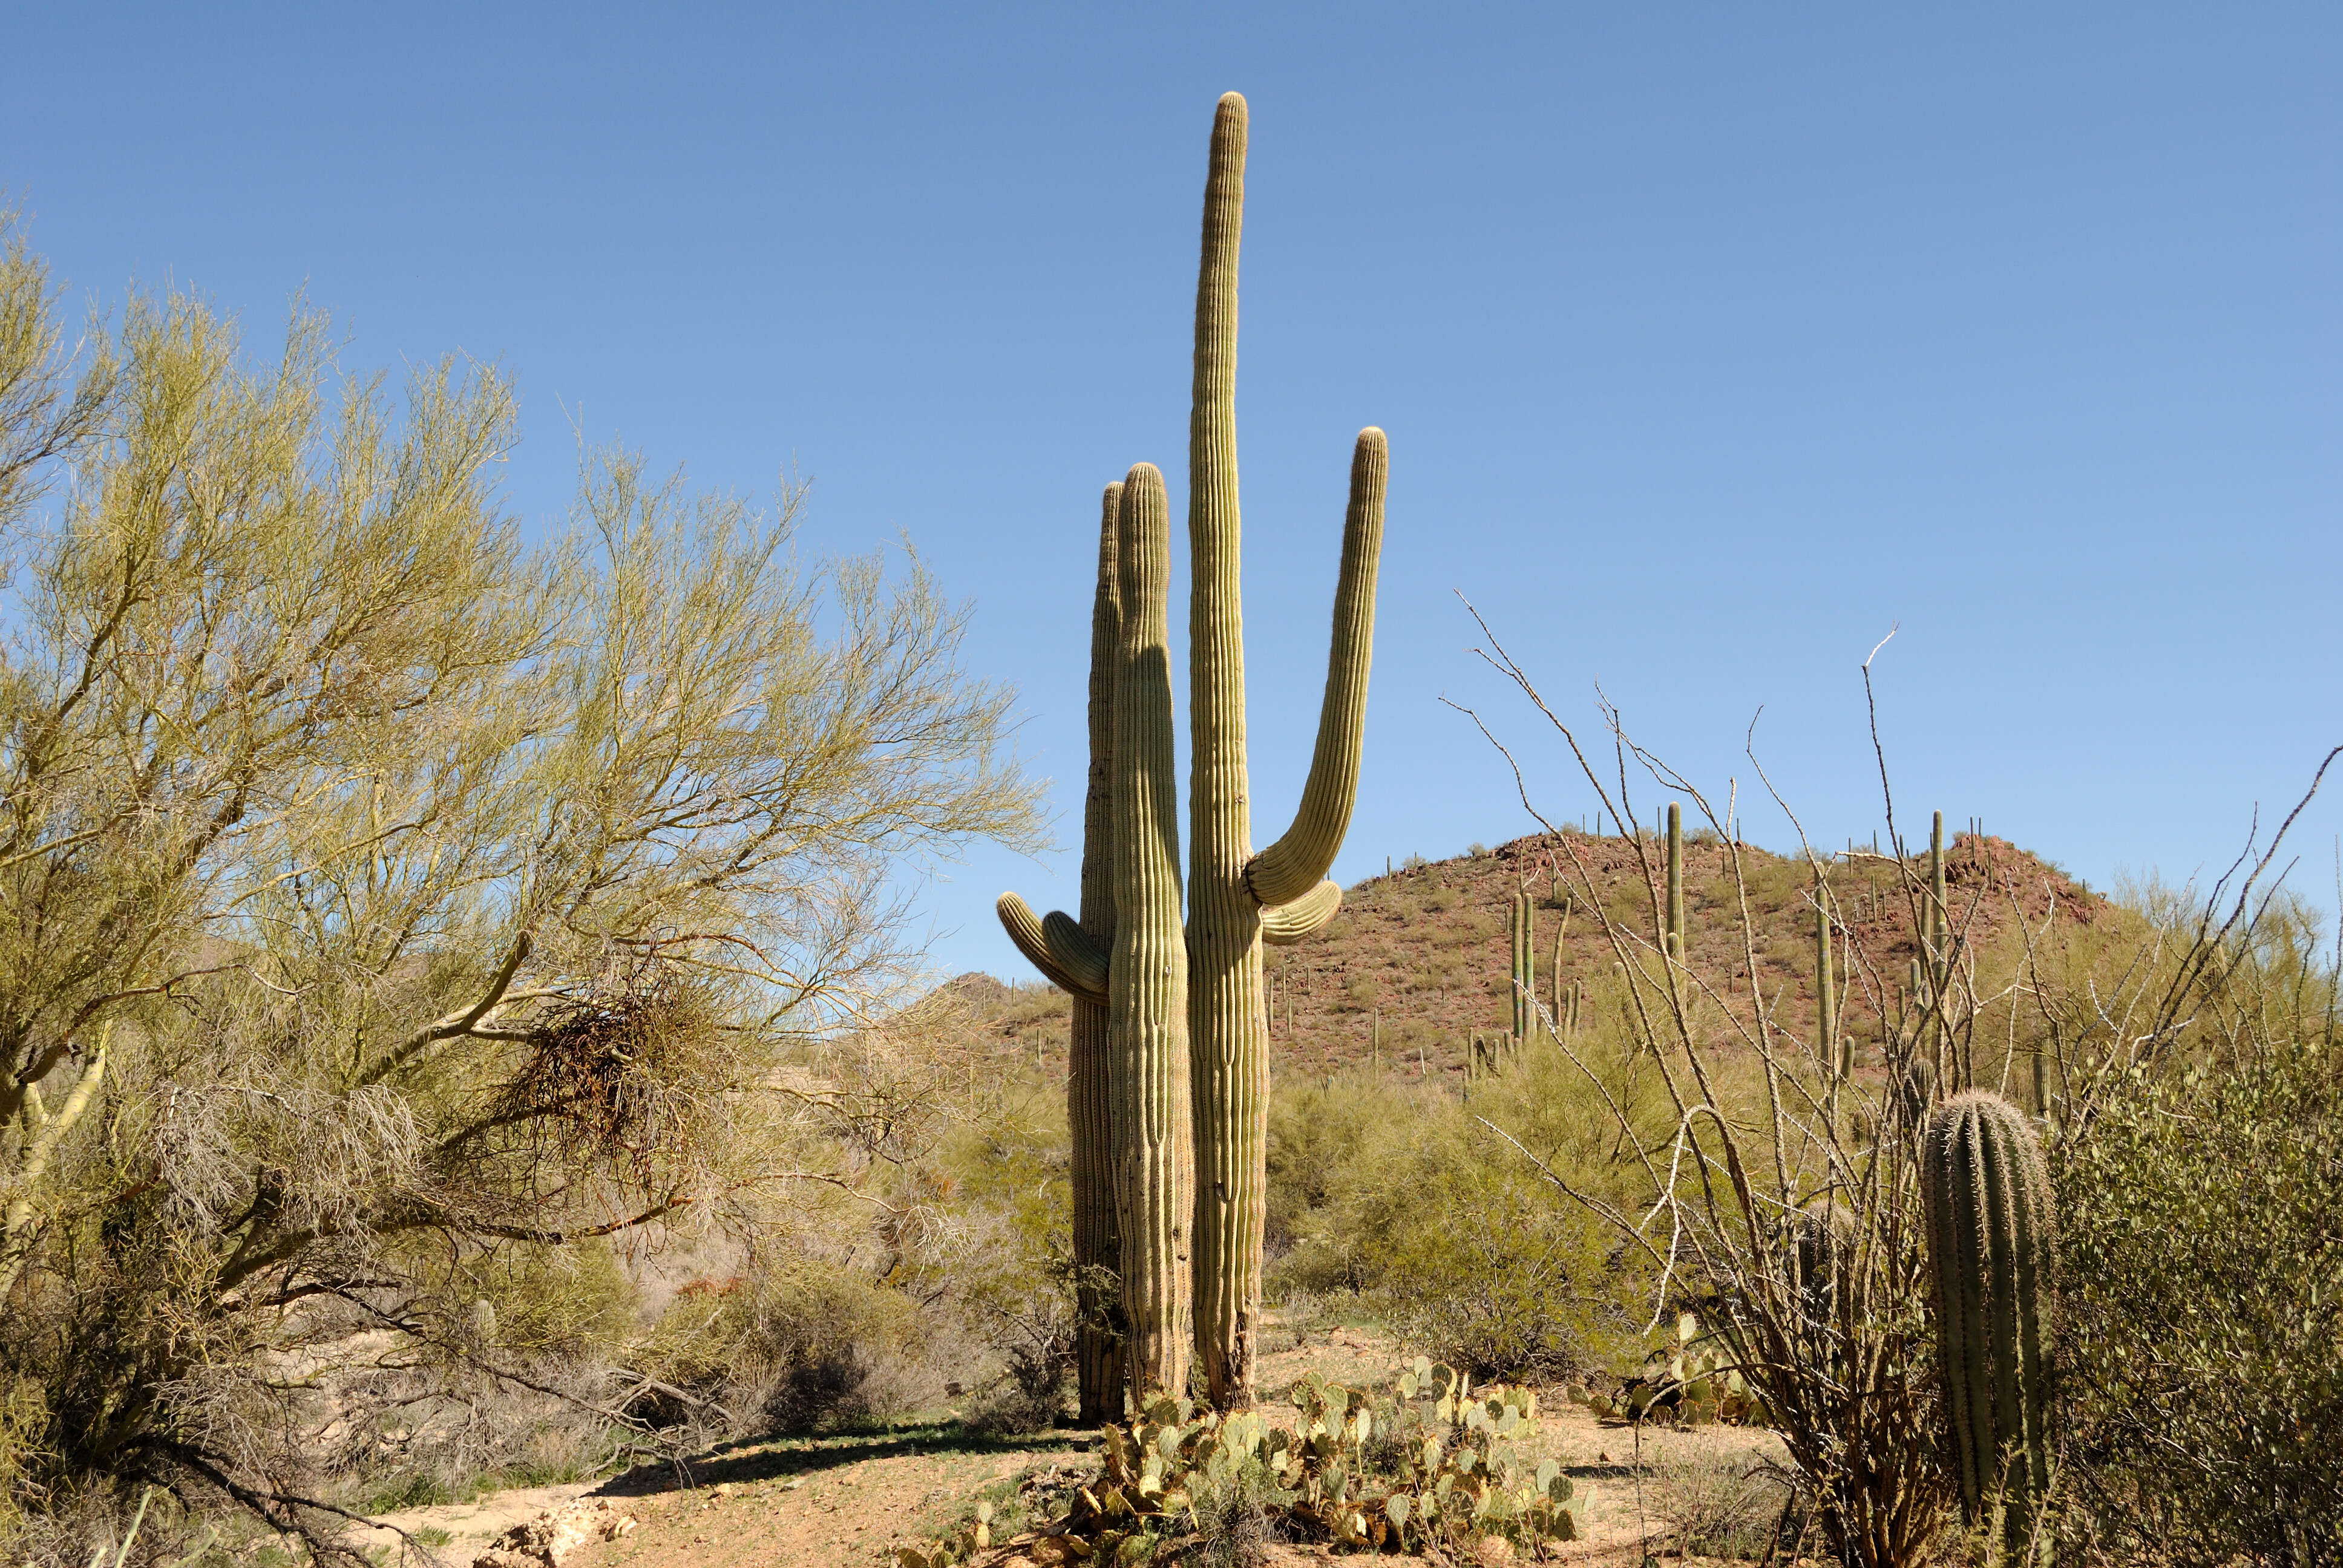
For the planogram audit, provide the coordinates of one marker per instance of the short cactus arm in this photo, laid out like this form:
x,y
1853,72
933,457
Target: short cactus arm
x,y
1056,947
1292,866
1304,917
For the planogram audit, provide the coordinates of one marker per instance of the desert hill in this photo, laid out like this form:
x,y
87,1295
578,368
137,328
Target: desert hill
x,y
1424,952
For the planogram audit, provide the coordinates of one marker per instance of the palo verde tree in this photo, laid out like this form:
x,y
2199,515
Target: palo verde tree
x,y
379,893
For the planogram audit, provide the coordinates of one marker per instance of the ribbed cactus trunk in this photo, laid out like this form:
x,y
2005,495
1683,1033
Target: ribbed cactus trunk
x,y
1524,975
1089,1113
1232,891
1675,882
1825,986
1147,972
1992,1251
1935,970
1226,1018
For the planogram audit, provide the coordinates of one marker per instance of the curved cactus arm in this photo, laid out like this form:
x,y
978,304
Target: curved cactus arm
x,y
1290,867
1056,947
1304,917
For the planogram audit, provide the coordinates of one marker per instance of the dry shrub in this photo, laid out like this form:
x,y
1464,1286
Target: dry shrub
x,y
1716,1501
801,1347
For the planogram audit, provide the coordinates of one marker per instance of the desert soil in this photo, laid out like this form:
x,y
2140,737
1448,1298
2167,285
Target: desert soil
x,y
848,1500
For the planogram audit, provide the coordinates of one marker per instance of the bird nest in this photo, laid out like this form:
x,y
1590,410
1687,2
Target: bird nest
x,y
619,1077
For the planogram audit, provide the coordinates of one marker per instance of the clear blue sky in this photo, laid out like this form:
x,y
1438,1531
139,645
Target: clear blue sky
x,y
1712,342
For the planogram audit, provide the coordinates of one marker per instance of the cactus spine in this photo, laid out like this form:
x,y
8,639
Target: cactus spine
x,y
1675,882
1992,1251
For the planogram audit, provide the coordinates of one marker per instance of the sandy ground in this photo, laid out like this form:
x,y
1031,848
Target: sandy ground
x,y
472,1525
848,1501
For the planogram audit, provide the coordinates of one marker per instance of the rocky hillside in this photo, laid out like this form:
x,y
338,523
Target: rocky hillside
x,y
1425,951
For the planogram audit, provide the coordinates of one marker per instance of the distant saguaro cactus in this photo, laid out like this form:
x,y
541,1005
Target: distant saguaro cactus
x,y
1993,1251
1675,882
1524,996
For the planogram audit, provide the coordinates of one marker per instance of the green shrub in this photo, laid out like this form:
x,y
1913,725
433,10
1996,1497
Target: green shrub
x,y
2203,1342
1435,1222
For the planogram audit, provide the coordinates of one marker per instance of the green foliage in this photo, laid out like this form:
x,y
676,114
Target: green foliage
x,y
2202,1350
795,1349
391,905
1423,1211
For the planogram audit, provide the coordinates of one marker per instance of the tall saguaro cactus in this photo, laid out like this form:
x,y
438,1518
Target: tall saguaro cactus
x,y
1992,1248
1229,886
1191,1168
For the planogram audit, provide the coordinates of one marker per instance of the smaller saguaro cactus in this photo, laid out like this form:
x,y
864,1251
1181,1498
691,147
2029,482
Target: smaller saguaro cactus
x,y
1933,928
1825,985
1553,971
1993,1252
1675,882
1524,995
1915,1090
1821,1237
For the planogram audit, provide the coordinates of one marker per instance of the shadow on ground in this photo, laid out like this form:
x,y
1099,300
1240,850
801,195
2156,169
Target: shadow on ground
x,y
780,1458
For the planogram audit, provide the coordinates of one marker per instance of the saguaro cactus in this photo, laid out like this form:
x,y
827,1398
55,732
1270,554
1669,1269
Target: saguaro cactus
x,y
1825,985
1089,1111
1236,900
1525,997
1675,882
1992,1250
1229,886
1147,970
1080,969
